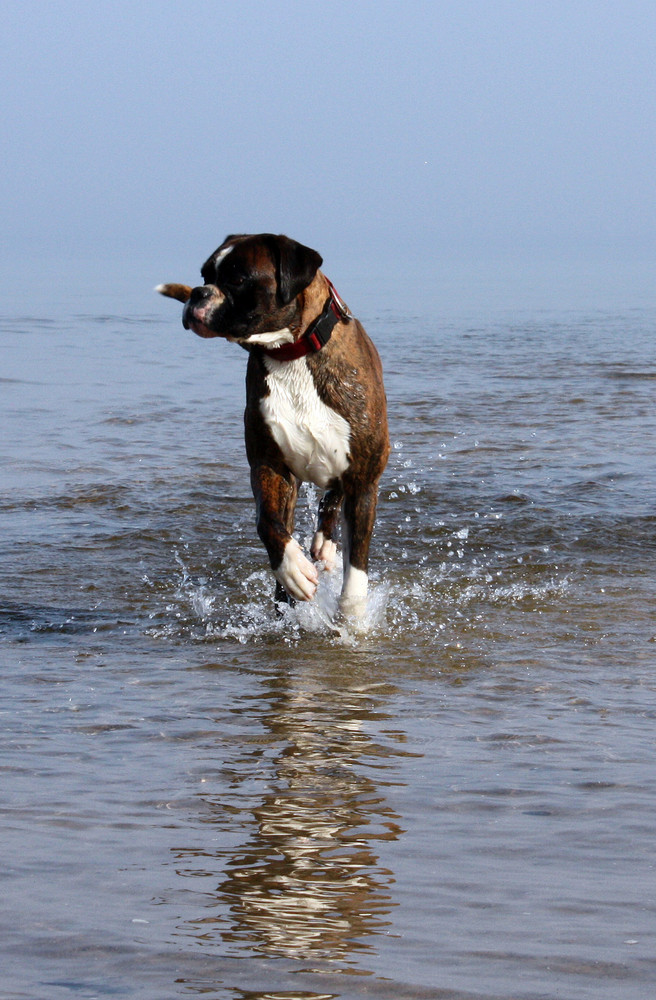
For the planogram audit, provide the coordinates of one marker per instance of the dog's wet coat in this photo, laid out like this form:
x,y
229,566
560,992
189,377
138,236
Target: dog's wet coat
x,y
320,417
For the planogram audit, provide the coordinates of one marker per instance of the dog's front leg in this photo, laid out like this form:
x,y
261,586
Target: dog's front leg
x,y
359,516
275,495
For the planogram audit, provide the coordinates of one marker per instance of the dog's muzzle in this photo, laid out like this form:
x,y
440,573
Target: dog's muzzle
x,y
199,309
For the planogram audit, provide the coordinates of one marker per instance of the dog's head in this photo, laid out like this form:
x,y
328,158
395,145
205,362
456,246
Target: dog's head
x,y
250,288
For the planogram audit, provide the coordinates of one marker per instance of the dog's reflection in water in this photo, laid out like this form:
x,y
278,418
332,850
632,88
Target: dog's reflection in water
x,y
308,882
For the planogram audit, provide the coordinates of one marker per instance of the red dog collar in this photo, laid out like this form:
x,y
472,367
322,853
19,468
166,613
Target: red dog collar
x,y
317,334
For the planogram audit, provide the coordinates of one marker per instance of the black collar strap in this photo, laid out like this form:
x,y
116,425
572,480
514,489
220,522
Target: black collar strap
x,y
317,334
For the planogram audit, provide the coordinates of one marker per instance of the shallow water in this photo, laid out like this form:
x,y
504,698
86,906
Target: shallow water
x,y
201,799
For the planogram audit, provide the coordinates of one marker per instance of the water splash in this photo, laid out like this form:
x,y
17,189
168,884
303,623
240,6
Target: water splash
x,y
434,573
247,613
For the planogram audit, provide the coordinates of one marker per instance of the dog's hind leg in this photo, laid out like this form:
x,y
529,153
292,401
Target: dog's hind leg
x,y
324,547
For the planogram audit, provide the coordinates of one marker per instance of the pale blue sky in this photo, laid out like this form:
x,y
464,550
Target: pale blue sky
x,y
434,130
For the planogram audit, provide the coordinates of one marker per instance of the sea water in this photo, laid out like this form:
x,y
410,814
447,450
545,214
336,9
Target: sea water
x,y
200,798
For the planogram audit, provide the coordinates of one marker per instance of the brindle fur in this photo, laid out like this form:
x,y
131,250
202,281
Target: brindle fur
x,y
284,288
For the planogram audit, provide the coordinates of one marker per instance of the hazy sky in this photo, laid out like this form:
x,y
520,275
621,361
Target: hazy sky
x,y
477,128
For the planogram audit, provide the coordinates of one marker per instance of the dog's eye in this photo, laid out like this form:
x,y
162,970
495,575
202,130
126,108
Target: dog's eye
x,y
233,277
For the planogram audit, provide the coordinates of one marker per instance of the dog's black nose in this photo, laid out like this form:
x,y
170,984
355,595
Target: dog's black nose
x,y
201,294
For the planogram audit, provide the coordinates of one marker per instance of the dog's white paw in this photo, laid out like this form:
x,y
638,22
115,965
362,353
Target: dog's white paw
x,y
353,599
353,612
296,573
324,550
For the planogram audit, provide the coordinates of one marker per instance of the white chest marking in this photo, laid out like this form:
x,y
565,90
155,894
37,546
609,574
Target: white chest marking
x,y
274,338
313,438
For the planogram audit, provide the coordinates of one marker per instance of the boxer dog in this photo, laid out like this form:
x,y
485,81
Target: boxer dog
x,y
315,403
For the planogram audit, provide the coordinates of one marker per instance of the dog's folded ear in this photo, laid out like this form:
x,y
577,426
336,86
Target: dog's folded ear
x,y
296,266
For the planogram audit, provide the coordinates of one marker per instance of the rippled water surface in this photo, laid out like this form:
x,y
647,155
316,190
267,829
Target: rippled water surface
x,y
201,799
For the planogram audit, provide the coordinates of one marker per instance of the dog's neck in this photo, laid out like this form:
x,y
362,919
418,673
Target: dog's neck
x,y
312,301
321,309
